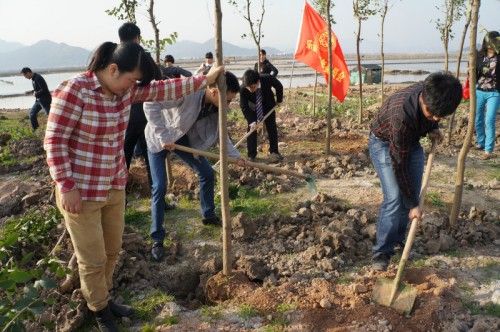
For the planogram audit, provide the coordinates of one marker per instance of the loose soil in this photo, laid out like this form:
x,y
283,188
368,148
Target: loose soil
x,y
308,269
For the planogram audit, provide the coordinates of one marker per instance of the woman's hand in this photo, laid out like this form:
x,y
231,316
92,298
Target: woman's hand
x,y
169,146
242,162
71,201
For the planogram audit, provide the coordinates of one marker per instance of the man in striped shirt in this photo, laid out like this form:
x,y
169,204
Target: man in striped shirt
x,y
398,158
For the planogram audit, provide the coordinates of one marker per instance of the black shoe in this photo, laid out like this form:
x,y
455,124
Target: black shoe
x,y
252,159
169,207
158,251
380,261
120,310
215,221
105,320
275,156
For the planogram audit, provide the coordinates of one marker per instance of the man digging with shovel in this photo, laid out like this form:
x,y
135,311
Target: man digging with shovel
x,y
398,157
193,122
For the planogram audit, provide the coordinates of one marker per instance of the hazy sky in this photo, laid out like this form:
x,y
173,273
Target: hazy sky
x,y
409,28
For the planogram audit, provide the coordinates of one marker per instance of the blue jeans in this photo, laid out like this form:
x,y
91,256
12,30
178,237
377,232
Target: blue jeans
x,y
393,217
206,180
37,107
489,102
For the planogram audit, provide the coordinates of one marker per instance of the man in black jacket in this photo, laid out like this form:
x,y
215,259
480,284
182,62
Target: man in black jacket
x,y
256,93
171,71
266,67
41,93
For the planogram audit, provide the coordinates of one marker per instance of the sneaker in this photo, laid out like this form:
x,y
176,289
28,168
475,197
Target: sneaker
x,y
252,159
478,148
380,261
486,156
120,310
105,320
275,156
158,251
169,206
214,221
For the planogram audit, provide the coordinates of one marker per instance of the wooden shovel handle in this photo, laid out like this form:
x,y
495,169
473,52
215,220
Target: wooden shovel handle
x,y
247,162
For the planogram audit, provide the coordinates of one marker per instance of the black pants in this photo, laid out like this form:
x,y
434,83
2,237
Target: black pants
x,y
272,133
135,135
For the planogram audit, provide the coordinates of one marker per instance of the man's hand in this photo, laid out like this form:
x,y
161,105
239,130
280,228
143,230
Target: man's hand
x,y
437,135
253,126
71,201
242,162
213,73
169,146
416,212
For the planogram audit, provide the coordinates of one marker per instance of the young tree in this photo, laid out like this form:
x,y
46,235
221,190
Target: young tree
x,y
244,8
459,180
383,8
125,11
459,60
362,11
453,11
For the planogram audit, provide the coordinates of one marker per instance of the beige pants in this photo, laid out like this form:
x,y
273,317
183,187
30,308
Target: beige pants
x,y
96,235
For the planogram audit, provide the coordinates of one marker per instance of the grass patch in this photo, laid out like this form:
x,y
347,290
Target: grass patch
x,y
146,308
211,314
284,307
247,311
490,309
345,278
434,199
138,220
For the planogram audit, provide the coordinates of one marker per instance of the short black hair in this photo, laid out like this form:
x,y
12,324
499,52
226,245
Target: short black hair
x,y
262,51
128,32
169,58
26,70
209,55
250,77
442,93
232,83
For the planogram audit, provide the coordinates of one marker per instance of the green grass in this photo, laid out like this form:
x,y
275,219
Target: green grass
x,y
146,308
247,311
211,314
490,309
284,307
434,199
138,220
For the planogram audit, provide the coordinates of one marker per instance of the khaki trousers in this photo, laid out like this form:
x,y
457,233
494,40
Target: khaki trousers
x,y
96,234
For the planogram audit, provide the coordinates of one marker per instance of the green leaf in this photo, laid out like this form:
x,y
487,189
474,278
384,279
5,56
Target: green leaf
x,y
20,276
50,300
7,284
27,257
31,292
45,283
37,307
11,239
21,304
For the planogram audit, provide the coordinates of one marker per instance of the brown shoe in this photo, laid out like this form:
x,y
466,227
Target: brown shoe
x,y
478,148
486,156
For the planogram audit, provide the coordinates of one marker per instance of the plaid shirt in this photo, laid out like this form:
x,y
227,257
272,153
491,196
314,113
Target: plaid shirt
x,y
402,122
86,129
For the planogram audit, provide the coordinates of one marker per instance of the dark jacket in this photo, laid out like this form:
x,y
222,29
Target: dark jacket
x,y
266,67
41,89
248,99
174,72
479,63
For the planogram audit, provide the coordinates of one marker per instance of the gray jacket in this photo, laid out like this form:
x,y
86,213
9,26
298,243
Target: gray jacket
x,y
170,120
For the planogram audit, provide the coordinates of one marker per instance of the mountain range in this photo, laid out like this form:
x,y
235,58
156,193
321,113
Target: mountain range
x,y
46,54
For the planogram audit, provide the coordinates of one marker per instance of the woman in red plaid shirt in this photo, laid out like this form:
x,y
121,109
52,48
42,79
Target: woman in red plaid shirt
x,y
84,143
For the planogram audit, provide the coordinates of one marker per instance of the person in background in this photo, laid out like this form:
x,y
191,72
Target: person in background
x,y
171,71
255,88
192,121
205,67
398,157
487,93
41,93
135,142
266,67
84,143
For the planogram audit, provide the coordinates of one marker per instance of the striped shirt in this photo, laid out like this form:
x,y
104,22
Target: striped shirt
x,y
86,130
402,122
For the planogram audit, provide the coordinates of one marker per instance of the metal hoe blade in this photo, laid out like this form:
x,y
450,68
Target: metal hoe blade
x,y
311,185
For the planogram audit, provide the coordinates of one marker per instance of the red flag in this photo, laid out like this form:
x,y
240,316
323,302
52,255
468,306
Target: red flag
x,y
312,49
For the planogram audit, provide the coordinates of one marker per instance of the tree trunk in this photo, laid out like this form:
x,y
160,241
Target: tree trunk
x,y
155,29
329,111
314,92
459,59
382,55
358,40
224,177
459,181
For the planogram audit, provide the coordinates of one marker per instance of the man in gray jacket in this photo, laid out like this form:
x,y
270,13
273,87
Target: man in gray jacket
x,y
190,121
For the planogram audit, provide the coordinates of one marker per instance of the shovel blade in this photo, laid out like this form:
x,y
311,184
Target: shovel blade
x,y
403,301
311,185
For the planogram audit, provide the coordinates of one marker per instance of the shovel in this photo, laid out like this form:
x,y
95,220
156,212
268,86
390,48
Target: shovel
x,y
390,293
311,185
